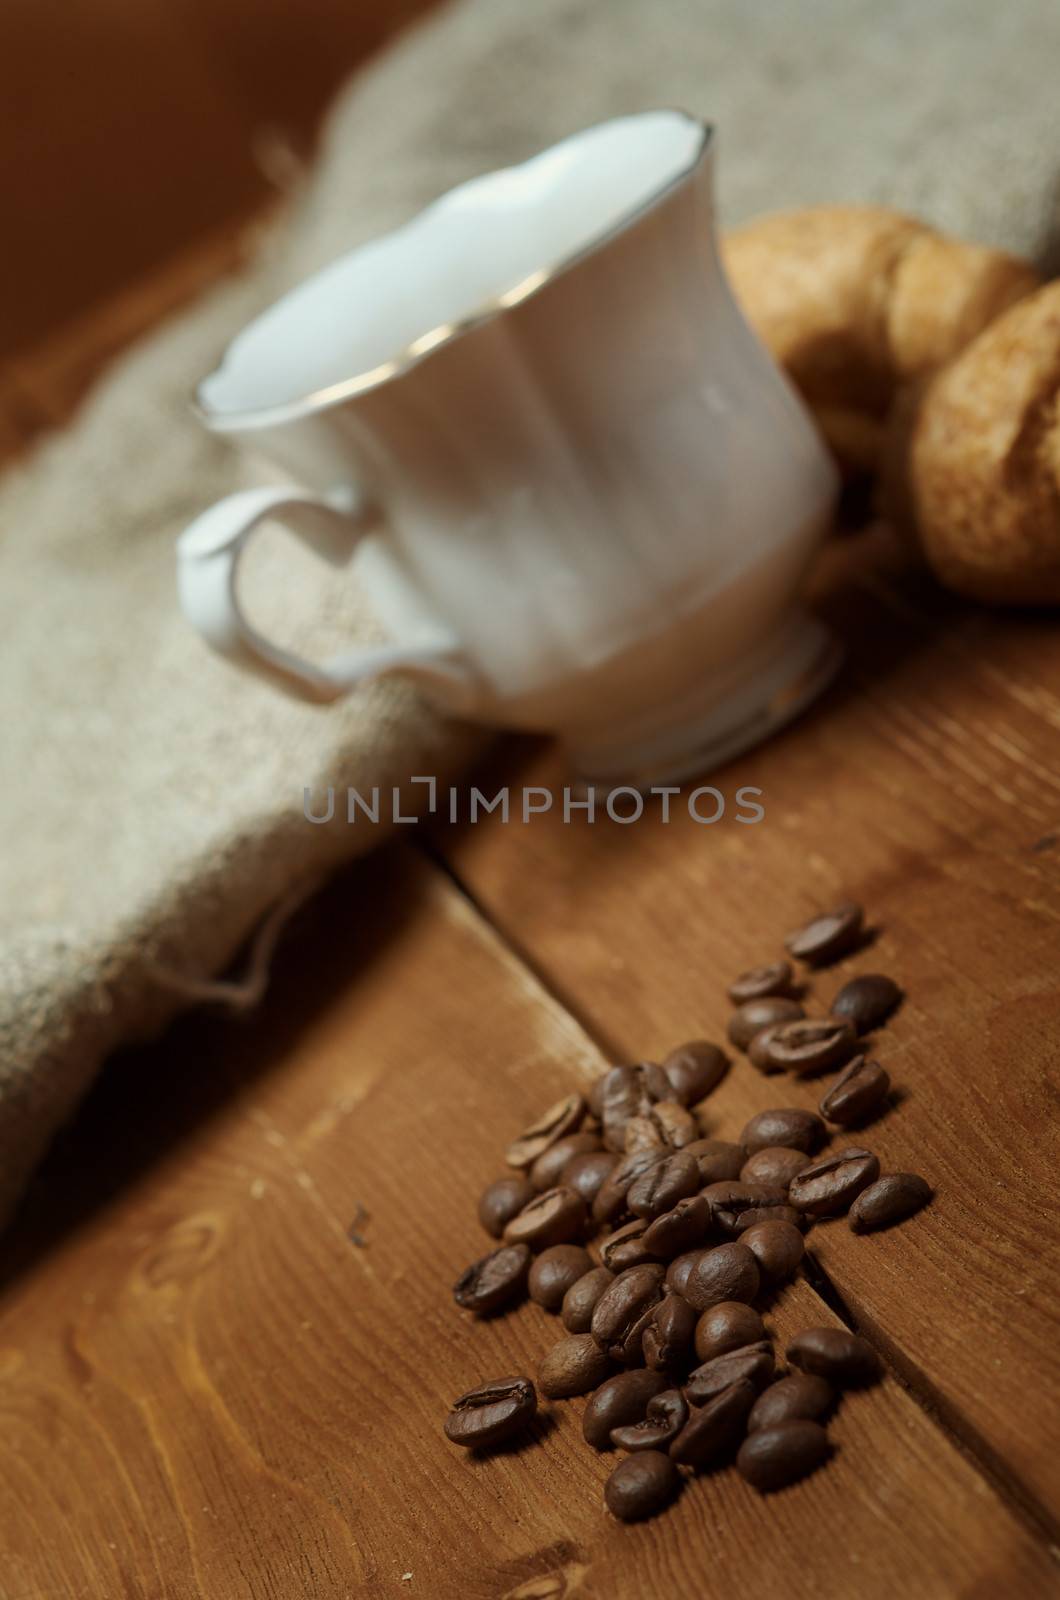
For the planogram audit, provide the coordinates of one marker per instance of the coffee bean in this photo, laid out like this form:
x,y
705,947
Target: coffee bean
x,y
641,1133
641,1485
729,1200
733,1195
814,1044
758,983
665,1417
844,1359
754,1215
787,1126
867,1001
555,1217
628,1092
675,1125
492,1412
695,1070
681,1229
623,1399
588,1173
678,1270
777,1248
620,1098
752,1363
667,1337
610,1203
754,1015
559,1120
493,1281
623,1311
555,1271
728,1272
758,1050
727,1326
857,1094
594,1096
773,1457
547,1169
681,1269
717,1159
650,1085
799,1397
773,1165
826,938
627,1247
579,1302
890,1199
503,1200
660,1188
574,1365
714,1430
829,1186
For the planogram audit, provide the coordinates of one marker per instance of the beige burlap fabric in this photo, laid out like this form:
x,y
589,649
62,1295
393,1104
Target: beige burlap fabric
x,y
150,809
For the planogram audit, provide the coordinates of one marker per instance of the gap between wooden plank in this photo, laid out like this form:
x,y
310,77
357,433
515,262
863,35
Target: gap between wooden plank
x,y
959,1429
607,1045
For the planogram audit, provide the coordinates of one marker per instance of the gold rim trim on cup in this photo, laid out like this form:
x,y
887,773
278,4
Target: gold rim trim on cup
x,y
445,333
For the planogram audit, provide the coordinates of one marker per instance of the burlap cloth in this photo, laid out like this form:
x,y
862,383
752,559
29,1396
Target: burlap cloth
x,y
151,805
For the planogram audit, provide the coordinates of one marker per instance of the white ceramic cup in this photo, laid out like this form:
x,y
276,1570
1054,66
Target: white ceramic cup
x,y
582,494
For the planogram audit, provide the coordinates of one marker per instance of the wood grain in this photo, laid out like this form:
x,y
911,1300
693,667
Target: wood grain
x,y
926,785
21,417
212,1391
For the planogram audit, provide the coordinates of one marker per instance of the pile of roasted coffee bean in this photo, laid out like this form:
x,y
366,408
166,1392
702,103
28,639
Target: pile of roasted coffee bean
x,y
652,1242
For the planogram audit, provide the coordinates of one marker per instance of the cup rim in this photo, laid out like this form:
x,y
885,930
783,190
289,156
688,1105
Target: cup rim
x,y
444,334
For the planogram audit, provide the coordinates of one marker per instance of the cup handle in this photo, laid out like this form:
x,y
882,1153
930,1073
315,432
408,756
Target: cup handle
x,y
208,555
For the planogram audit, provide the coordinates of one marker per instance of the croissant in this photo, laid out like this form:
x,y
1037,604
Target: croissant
x,y
973,460
932,363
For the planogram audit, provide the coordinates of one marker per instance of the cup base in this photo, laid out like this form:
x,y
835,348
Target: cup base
x,y
765,693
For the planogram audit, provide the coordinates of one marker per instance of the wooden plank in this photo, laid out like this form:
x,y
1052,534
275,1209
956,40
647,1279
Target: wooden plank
x,y
927,785
207,1389
57,372
138,125
21,418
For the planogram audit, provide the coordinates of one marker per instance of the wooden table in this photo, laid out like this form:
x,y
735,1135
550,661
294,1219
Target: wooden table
x,y
210,1388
